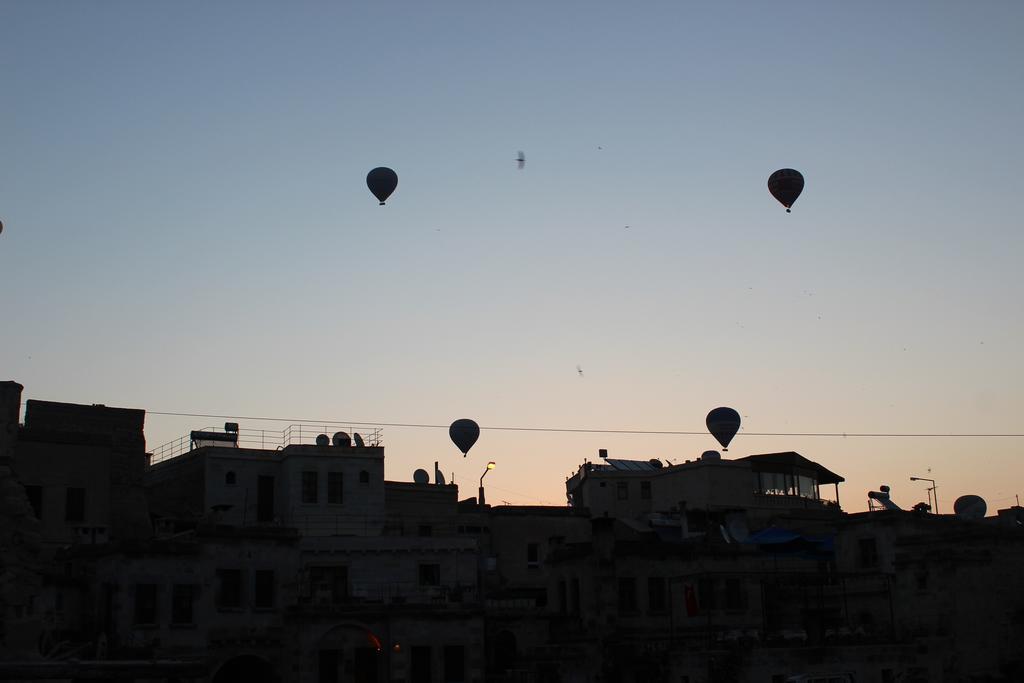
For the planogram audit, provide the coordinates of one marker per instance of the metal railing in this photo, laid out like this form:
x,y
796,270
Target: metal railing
x,y
268,439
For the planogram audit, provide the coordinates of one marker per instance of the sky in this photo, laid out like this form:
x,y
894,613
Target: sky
x,y
187,227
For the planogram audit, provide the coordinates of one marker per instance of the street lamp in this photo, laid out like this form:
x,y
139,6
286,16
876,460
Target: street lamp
x,y
490,466
931,491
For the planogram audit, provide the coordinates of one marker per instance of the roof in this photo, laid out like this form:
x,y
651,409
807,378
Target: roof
x,y
793,459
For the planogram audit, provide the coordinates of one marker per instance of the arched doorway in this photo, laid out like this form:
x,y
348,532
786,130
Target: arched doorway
x,y
350,653
248,668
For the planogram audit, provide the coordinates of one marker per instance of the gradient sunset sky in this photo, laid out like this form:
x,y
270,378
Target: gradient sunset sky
x,y
187,226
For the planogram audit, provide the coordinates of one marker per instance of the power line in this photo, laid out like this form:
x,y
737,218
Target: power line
x,y
575,430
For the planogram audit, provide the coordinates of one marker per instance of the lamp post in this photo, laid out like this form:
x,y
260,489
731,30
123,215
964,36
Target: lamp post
x,y
932,490
490,466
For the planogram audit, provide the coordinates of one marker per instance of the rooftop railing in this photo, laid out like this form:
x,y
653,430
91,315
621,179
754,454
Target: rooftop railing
x,y
265,439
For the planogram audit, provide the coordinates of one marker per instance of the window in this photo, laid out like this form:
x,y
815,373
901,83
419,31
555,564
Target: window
x,y
868,553
334,488
425,530
735,594
364,477
329,585
229,588
627,594
264,498
656,594
706,593
74,505
182,596
145,603
309,487
430,575
328,665
645,490
807,487
574,595
35,499
454,664
230,479
263,589
532,555
563,598
623,490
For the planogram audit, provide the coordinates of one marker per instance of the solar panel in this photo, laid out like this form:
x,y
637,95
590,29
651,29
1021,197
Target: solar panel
x,y
630,465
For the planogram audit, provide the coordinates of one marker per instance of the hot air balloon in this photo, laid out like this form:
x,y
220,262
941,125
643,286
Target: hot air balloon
x,y
382,181
786,185
464,434
723,423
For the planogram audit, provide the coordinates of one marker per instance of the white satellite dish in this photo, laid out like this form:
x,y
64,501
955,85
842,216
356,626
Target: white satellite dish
x,y
421,477
736,525
970,507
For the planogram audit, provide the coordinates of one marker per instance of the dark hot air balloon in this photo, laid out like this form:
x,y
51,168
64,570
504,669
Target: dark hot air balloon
x,y
464,434
786,185
382,181
723,423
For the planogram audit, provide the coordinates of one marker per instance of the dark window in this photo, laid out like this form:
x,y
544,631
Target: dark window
x,y
74,505
868,553
145,603
425,530
421,664
265,499
656,594
887,676
329,584
364,477
181,603
574,595
328,662
706,593
627,594
230,479
922,579
623,490
35,499
533,555
563,598
735,594
430,575
309,487
263,588
645,490
229,588
454,664
334,488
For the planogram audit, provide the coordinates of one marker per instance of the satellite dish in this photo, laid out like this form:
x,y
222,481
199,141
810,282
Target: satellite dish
x,y
439,477
358,439
341,439
723,423
464,434
421,477
322,440
710,455
970,507
655,463
736,525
